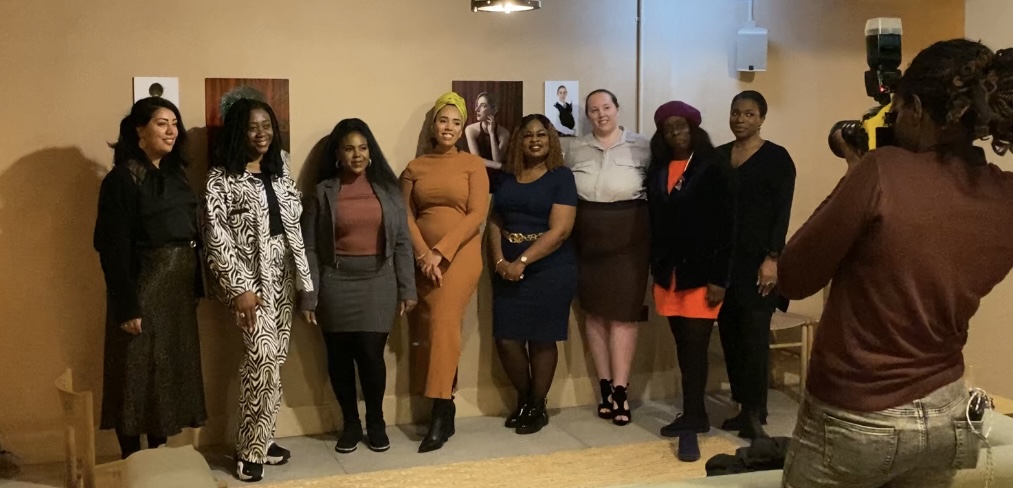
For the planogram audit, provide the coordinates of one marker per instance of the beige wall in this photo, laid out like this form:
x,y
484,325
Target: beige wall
x,y
68,69
988,348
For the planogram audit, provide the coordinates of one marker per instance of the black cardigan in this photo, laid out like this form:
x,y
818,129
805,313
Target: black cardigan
x,y
692,228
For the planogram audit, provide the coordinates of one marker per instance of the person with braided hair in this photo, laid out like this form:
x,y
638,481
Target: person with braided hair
x,y
913,237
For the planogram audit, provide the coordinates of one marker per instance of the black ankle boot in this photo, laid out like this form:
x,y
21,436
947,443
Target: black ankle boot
x,y
522,408
534,418
441,425
754,427
738,422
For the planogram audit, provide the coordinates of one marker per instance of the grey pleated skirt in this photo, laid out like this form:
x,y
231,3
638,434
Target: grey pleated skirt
x,y
359,295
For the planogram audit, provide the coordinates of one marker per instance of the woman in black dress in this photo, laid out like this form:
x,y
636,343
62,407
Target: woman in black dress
x,y
536,268
146,236
764,184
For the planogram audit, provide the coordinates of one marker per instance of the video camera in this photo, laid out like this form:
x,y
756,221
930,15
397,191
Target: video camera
x,y
883,53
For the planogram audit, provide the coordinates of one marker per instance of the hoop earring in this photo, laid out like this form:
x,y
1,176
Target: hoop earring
x,y
369,162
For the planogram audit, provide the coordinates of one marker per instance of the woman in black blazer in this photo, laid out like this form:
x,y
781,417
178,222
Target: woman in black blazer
x,y
692,230
363,271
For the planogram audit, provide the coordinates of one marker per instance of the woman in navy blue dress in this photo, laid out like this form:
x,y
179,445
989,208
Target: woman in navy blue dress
x,y
533,209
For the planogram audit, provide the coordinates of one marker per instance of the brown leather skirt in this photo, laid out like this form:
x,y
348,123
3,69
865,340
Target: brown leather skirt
x,y
613,252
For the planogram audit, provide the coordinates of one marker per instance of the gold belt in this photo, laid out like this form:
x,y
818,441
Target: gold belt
x,y
517,238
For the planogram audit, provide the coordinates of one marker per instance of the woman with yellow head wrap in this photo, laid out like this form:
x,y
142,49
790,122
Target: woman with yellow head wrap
x,y
447,194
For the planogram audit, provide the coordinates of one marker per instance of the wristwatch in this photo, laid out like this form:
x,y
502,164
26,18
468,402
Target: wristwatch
x,y
524,260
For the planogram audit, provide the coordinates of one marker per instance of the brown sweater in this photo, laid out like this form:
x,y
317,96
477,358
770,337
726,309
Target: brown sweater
x,y
358,219
912,244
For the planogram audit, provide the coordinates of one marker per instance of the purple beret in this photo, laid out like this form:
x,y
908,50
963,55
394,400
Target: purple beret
x,y
677,109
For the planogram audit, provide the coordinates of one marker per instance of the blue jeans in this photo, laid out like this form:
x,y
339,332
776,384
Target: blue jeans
x,y
921,444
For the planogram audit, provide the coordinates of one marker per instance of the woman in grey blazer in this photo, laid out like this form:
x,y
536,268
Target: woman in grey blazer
x,y
361,262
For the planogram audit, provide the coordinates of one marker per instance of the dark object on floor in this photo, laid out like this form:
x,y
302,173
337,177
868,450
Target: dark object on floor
x,y
763,454
689,448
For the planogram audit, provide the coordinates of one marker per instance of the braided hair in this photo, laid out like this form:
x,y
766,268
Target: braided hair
x,y
964,86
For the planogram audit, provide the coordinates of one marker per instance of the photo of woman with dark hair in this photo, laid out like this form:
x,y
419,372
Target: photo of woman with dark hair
x,y
486,137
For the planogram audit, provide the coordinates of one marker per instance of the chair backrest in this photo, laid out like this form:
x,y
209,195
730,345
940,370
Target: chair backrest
x,y
78,432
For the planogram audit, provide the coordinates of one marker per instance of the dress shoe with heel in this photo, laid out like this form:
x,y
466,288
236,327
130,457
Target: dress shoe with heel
x,y
605,407
620,400
441,425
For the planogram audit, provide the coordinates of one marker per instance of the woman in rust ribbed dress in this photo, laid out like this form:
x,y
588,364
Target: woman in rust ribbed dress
x,y
447,193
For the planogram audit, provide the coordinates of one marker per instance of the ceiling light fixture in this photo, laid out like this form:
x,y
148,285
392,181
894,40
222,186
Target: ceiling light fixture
x,y
505,6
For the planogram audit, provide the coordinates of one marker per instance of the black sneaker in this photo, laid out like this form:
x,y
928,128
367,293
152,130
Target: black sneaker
x,y
686,425
376,438
249,472
277,455
350,438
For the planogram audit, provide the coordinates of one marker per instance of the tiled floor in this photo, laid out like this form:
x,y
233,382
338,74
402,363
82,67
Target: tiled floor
x,y
477,438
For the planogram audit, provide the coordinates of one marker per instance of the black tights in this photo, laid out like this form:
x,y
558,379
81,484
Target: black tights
x,y
529,365
692,341
345,351
130,444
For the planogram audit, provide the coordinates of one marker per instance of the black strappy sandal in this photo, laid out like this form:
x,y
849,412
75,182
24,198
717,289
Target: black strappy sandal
x,y
605,407
619,398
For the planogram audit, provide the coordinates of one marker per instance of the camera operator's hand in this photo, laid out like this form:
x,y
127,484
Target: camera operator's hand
x,y
851,155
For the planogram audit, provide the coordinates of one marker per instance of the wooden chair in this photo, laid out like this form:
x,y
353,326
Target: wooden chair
x,y
81,471
160,467
782,321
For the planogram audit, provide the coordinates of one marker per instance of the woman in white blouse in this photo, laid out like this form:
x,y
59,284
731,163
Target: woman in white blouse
x,y
611,231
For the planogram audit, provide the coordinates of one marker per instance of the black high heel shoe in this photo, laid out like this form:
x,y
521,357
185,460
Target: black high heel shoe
x,y
619,399
605,407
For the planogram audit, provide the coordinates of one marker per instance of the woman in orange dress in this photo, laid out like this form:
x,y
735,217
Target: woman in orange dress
x,y
447,193
692,224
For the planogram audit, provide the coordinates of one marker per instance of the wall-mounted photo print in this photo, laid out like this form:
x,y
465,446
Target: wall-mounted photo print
x,y
221,93
562,106
494,110
157,86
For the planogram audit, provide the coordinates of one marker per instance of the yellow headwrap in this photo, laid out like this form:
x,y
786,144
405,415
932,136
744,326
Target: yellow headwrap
x,y
451,98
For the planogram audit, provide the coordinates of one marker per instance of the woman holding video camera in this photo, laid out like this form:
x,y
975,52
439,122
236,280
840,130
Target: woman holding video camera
x,y
913,237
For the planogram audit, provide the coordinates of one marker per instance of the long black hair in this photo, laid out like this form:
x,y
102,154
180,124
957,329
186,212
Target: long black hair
x,y
661,154
232,150
128,144
378,171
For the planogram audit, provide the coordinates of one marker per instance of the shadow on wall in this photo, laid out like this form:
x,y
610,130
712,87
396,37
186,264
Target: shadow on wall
x,y
52,292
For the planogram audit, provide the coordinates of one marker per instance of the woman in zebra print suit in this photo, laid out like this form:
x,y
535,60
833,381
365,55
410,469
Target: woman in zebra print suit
x,y
255,251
